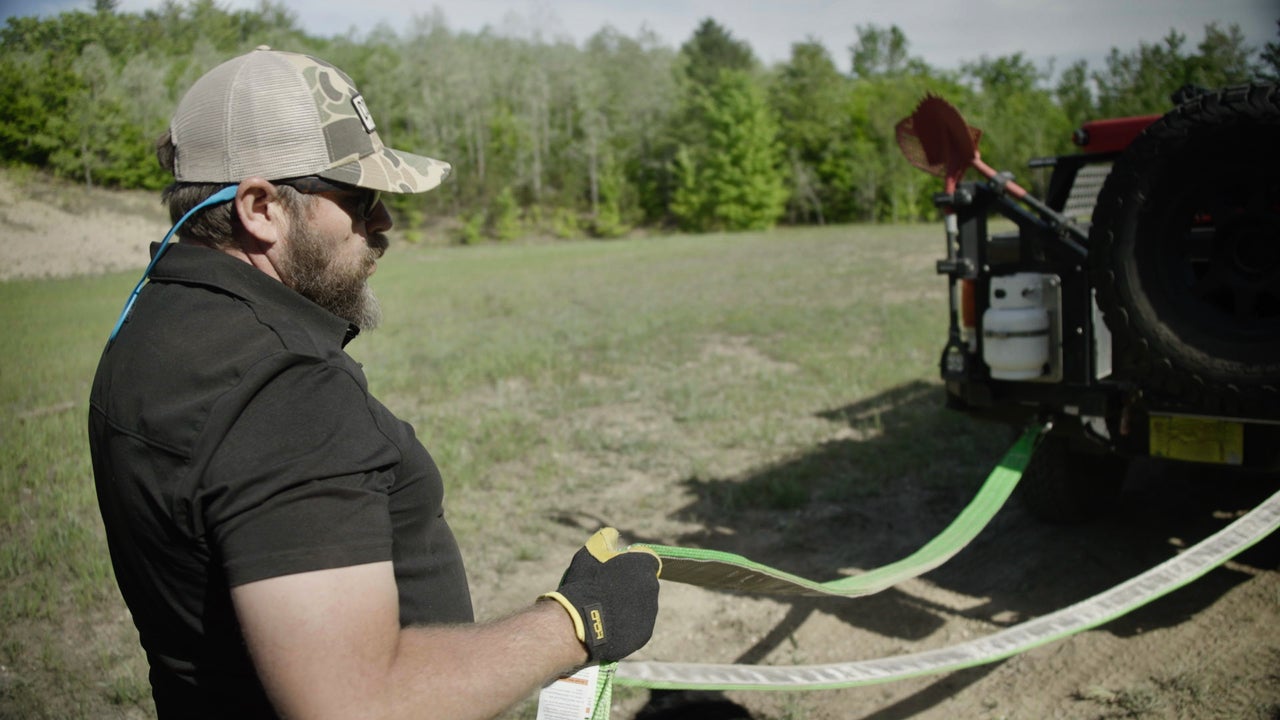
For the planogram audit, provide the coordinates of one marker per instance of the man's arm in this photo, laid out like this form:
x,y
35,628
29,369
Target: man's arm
x,y
328,644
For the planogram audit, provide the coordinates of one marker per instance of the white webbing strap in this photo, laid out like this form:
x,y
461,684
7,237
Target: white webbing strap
x,y
1101,608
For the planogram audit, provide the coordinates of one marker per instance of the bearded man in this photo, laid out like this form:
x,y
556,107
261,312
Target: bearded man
x,y
277,533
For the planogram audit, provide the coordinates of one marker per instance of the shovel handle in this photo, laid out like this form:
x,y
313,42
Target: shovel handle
x,y
1018,192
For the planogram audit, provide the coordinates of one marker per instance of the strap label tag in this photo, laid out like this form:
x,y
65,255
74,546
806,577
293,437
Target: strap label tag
x,y
571,697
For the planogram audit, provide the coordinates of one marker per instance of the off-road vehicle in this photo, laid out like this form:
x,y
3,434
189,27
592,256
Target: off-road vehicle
x,y
1136,308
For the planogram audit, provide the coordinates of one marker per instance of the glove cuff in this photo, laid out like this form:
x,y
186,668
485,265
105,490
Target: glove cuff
x,y
578,628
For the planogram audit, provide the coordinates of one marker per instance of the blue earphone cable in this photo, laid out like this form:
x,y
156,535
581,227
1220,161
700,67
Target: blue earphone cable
x,y
226,194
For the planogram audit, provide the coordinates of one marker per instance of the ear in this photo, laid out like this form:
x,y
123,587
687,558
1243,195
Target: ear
x,y
260,216
263,223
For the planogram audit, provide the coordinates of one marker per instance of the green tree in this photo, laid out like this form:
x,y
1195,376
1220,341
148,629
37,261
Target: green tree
x,y
855,171
630,90
734,181
92,121
701,60
711,49
1005,75
879,51
808,96
35,88
1223,58
869,179
1016,113
1073,93
584,138
503,222
1141,81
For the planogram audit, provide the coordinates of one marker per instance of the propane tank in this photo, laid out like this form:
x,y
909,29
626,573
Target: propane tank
x,y
1015,327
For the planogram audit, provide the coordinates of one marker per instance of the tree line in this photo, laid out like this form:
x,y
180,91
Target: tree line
x,y
595,139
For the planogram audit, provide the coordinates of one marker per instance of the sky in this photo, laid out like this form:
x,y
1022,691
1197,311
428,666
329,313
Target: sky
x,y
945,33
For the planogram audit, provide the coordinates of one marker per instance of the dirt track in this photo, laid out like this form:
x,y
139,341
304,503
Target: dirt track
x,y
1210,650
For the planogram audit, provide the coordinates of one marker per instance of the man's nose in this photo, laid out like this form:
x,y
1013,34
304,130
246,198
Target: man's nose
x,y
380,221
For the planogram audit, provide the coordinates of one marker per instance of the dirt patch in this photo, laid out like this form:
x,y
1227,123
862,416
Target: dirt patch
x,y
51,230
1209,650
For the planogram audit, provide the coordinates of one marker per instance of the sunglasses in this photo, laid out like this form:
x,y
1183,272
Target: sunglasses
x,y
310,185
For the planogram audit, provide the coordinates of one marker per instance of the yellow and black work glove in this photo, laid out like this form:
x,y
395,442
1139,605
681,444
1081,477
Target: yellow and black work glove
x,y
612,596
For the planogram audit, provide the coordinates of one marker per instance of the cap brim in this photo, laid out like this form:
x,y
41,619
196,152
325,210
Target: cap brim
x,y
391,171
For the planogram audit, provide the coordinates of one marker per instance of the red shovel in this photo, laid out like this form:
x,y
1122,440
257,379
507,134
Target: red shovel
x,y
937,140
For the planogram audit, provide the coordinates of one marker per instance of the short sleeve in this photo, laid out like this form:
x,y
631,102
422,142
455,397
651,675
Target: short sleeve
x,y
300,482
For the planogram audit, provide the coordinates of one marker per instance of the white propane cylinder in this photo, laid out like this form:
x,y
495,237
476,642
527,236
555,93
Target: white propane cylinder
x,y
1015,328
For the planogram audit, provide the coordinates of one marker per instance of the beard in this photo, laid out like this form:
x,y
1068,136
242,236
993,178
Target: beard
x,y
313,270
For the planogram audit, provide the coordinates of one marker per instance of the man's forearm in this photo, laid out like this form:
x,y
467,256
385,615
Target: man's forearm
x,y
477,671
328,644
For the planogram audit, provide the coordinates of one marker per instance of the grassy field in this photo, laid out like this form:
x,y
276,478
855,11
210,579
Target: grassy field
x,y
644,382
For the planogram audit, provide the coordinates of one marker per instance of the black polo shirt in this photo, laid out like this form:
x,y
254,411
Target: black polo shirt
x,y
234,440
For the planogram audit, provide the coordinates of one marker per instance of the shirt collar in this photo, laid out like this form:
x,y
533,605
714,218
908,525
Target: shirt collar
x,y
197,265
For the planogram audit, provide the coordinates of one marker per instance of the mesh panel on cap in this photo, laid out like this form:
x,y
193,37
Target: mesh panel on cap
x,y
274,129
200,147
252,115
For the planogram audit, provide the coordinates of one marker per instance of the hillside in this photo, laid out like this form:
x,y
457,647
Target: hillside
x,y
51,229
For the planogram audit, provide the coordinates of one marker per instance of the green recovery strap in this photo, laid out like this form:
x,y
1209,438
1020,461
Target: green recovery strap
x,y
727,571
604,692
1108,605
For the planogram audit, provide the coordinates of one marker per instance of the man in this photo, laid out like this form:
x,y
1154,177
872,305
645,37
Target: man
x,y
277,533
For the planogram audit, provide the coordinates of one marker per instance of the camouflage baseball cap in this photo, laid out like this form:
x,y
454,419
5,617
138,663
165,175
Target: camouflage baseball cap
x,y
283,115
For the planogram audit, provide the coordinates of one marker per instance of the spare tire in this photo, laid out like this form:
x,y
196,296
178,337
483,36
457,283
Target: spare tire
x,y
1185,253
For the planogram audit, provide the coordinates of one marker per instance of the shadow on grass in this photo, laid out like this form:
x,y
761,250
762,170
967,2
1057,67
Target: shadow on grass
x,y
898,473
